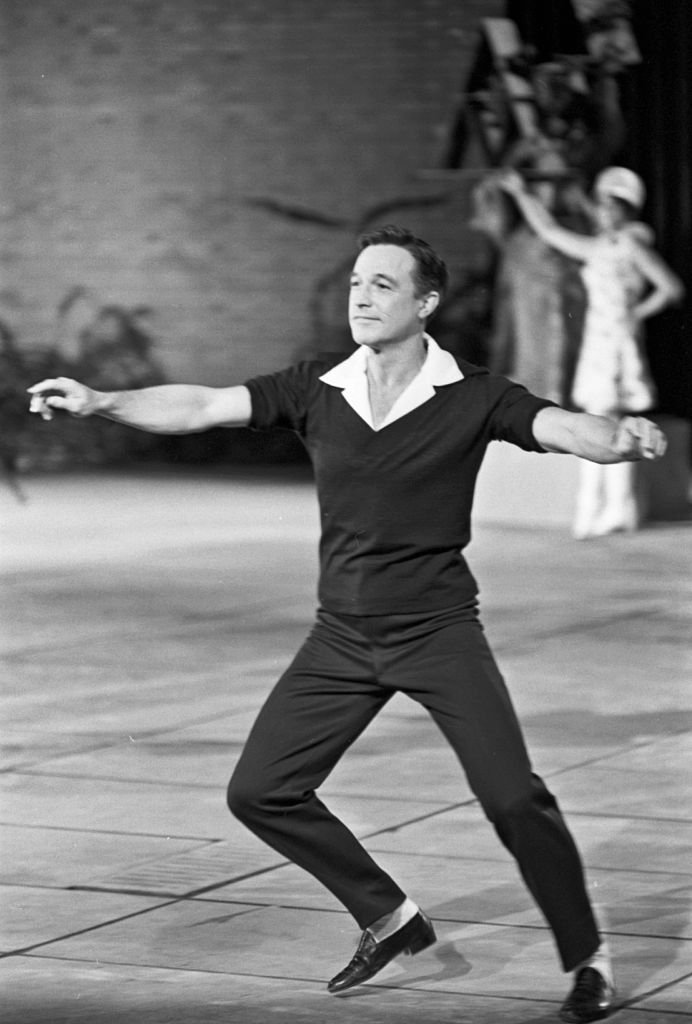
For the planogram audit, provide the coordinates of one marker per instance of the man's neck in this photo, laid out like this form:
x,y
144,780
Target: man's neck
x,y
390,370
396,364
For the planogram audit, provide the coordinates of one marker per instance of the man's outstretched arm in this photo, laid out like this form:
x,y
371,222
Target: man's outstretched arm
x,y
598,438
165,409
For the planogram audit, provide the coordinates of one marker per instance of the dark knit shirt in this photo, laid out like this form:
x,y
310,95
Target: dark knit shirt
x,y
395,503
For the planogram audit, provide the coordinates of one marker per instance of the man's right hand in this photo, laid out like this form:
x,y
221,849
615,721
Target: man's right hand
x,y
62,393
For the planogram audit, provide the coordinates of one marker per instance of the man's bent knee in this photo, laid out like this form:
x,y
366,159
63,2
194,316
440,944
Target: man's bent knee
x,y
244,799
251,798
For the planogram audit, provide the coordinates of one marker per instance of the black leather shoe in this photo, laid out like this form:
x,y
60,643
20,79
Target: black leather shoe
x,y
371,955
590,999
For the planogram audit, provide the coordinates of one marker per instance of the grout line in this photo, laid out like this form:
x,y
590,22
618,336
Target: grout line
x,y
494,859
191,893
113,741
191,970
83,931
473,801
436,812
655,991
273,905
644,612
130,780
611,815
111,832
34,767
172,624
104,924
626,748
421,817
411,989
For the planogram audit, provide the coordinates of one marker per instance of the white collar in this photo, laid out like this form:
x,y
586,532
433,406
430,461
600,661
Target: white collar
x,y
440,368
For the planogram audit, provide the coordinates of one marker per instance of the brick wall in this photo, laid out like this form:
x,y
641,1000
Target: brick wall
x,y
145,145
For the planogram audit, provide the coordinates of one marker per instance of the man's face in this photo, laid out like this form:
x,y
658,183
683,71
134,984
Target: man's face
x,y
383,306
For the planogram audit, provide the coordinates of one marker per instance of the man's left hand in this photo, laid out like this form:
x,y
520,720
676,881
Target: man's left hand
x,y
639,438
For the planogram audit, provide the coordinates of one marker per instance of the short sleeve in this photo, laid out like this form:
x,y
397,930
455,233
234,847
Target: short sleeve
x,y
281,399
514,409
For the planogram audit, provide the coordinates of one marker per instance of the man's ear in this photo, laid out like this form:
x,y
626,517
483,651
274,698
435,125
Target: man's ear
x,y
429,304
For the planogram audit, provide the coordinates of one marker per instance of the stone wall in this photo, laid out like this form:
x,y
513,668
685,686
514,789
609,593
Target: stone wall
x,y
211,159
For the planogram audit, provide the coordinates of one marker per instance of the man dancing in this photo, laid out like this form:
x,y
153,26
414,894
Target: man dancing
x,y
396,434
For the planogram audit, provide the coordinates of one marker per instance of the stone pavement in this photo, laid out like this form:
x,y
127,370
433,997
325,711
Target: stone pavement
x,y
145,617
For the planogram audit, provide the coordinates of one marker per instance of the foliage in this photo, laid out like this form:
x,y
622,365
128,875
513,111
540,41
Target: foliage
x,y
112,351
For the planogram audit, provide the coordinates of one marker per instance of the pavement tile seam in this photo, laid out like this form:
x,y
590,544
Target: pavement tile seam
x,y
202,628
84,931
596,760
575,812
650,993
468,993
188,723
418,818
101,925
620,749
473,802
448,921
602,760
248,906
587,815
186,969
204,624
371,987
409,1009
110,832
114,739
176,870
188,894
295,978
36,771
117,780
200,891
35,767
367,837
618,933
502,859
184,784
438,807
648,873
461,857
602,624
269,905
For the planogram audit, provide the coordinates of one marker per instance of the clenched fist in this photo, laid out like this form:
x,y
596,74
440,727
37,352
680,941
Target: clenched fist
x,y
639,438
62,393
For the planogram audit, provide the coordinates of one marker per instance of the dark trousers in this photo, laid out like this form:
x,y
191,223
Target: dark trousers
x,y
344,674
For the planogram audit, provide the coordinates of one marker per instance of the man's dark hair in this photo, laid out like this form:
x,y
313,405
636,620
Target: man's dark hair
x,y
430,274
